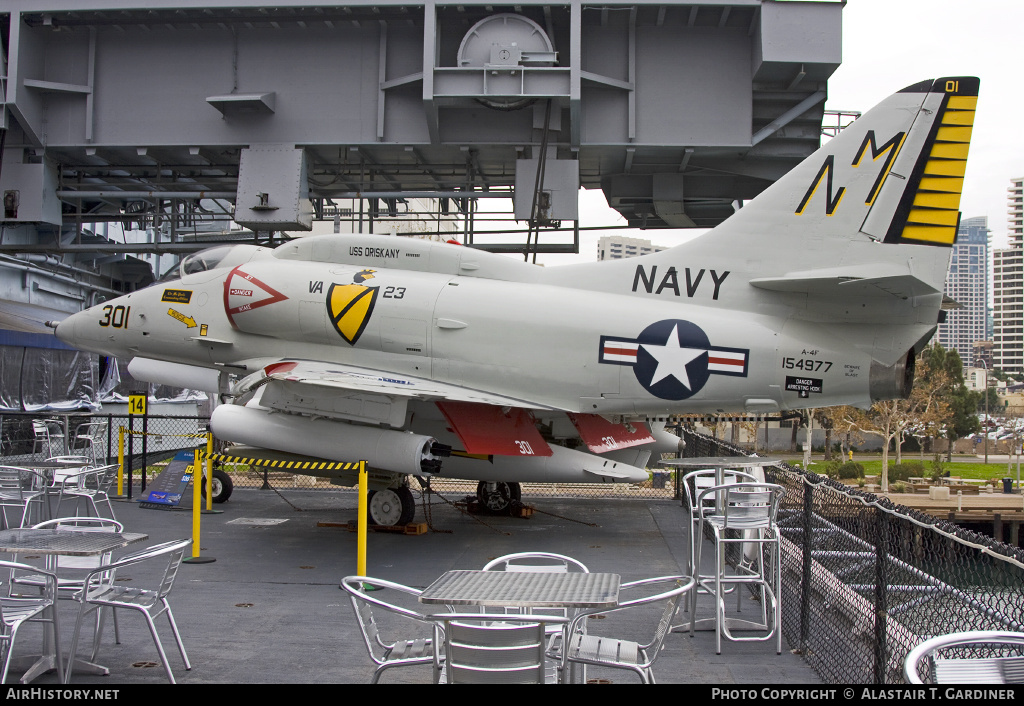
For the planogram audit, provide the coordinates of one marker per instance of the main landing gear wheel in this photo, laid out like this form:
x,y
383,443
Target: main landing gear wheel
x,y
389,507
498,497
222,486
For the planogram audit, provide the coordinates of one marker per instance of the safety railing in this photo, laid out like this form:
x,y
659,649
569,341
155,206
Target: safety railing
x,y
865,581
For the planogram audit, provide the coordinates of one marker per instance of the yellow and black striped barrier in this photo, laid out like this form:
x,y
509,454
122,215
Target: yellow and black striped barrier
x,y
289,465
208,457
295,466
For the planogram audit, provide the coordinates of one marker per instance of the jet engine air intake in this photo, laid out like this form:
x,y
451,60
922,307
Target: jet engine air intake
x,y
889,382
384,449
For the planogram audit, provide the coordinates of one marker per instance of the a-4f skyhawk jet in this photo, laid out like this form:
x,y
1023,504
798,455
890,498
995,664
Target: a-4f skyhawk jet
x,y
818,292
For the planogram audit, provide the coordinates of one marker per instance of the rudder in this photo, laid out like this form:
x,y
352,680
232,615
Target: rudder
x,y
928,204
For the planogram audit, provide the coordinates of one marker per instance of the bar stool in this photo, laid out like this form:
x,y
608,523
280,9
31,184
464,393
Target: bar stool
x,y
694,483
744,514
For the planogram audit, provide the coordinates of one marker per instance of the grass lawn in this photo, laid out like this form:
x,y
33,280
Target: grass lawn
x,y
965,470
972,471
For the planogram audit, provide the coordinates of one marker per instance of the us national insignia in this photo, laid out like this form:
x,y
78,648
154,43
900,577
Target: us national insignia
x,y
350,306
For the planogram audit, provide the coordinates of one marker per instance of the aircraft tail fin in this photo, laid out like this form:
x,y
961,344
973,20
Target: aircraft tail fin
x,y
925,203
893,177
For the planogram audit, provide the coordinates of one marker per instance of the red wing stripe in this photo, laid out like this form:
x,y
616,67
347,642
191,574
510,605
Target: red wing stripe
x,y
725,361
619,351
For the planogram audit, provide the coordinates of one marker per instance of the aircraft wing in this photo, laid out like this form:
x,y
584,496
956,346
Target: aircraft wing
x,y
297,374
486,422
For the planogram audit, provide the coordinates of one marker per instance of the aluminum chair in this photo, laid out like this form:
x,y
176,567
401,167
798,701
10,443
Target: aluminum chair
x,y
19,488
694,483
52,480
618,652
973,657
536,562
102,591
48,435
512,651
16,611
90,437
93,484
743,514
539,562
386,650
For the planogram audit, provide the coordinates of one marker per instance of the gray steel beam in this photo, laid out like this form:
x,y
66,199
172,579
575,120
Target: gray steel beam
x,y
695,88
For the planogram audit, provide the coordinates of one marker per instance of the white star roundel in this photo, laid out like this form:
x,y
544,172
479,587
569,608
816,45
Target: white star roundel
x,y
673,359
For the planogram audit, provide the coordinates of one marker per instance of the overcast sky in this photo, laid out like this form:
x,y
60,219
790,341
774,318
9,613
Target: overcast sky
x,y
891,44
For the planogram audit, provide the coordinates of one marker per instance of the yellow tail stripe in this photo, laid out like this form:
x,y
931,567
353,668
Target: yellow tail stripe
x,y
962,103
934,200
943,217
950,150
949,185
954,134
958,117
946,167
932,234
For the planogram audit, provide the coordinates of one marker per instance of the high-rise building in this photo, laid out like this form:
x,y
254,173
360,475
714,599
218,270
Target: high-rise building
x,y
1015,204
967,284
1008,288
617,247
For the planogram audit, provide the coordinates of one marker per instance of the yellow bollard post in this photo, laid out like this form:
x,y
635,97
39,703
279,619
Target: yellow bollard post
x,y
197,504
209,478
361,522
209,472
120,461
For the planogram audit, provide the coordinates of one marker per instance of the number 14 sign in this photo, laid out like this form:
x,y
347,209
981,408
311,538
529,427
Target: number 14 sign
x,y
136,404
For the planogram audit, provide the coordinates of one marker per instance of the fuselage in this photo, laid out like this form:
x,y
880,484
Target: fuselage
x,y
463,317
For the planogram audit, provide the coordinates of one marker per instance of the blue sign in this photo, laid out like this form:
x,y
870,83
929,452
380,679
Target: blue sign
x,y
168,487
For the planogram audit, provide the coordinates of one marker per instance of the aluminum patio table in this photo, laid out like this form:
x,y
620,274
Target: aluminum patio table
x,y
526,590
53,543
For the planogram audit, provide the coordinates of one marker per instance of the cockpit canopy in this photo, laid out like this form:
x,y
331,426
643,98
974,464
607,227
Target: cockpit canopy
x,y
211,259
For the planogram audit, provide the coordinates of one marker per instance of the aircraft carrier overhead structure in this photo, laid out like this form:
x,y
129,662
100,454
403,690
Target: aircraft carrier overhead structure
x,y
112,111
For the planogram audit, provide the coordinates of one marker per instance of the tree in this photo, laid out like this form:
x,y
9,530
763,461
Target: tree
x,y
752,428
842,421
940,375
963,415
994,403
825,422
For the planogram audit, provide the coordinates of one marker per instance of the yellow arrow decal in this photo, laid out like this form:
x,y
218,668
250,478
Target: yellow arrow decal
x,y
187,320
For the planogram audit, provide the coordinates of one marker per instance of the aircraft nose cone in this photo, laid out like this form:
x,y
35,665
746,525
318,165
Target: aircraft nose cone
x,y
72,330
64,330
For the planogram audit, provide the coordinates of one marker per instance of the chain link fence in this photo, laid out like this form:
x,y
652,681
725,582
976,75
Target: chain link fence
x,y
865,581
150,440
